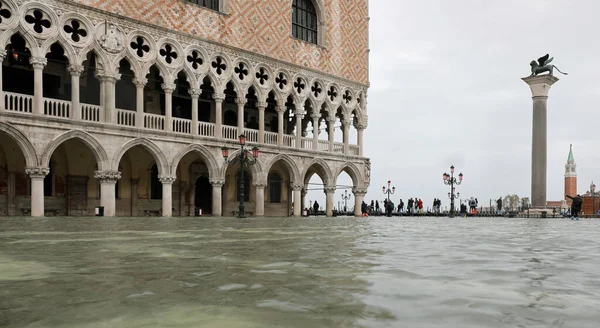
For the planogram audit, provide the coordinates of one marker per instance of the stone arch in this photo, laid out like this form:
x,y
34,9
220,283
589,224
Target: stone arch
x,y
31,158
255,169
87,139
289,162
205,154
162,69
30,41
352,171
69,51
102,60
151,147
324,169
134,64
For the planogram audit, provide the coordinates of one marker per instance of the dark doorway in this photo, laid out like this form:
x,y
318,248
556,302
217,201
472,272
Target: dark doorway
x,y
203,195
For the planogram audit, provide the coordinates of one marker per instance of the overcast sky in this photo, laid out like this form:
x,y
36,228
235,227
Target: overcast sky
x,y
446,89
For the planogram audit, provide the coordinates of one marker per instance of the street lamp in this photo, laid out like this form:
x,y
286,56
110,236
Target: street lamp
x,y
245,160
450,180
592,193
345,197
389,191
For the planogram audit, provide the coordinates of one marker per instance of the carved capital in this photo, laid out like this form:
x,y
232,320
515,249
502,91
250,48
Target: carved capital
x,y
280,109
315,116
261,105
194,92
359,191
168,87
140,82
218,97
329,190
241,101
331,120
217,182
296,186
107,176
2,54
108,77
37,172
38,62
75,70
361,126
167,179
259,184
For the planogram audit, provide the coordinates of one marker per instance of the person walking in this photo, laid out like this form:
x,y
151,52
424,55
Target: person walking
x,y
499,205
401,206
363,209
575,206
420,205
409,207
377,206
316,208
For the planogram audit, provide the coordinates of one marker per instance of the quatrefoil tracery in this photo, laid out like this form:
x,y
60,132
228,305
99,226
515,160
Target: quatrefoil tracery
x,y
241,71
38,21
194,59
4,13
140,46
332,93
316,89
347,96
168,53
281,81
76,31
299,85
219,65
262,76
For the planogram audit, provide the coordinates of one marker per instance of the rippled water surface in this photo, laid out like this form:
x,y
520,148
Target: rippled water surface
x,y
323,272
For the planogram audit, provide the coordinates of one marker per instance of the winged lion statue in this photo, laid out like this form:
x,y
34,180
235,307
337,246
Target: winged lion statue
x,y
543,65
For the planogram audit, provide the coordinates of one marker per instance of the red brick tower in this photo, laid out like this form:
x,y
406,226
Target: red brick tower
x,y
570,176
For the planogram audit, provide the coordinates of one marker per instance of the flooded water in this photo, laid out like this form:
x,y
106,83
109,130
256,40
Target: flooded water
x,y
316,272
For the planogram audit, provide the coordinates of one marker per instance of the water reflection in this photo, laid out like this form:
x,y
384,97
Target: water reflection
x,y
339,272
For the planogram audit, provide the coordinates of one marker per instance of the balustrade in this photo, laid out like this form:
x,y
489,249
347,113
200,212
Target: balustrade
x,y
271,138
354,150
182,125
90,112
251,135
125,117
57,108
338,147
230,132
289,140
206,129
18,102
323,145
154,122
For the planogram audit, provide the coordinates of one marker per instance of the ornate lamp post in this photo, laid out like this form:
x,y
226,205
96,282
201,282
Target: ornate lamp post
x,y
245,160
593,194
450,180
389,191
345,197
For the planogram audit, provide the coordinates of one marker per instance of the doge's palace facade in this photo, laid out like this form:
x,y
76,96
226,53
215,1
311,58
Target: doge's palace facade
x,y
127,104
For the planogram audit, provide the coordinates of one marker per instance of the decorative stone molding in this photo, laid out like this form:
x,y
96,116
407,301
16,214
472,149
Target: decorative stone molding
x,y
167,179
2,55
241,101
297,186
280,109
168,87
329,190
37,172
38,62
110,37
217,182
261,104
194,92
259,184
140,82
75,70
218,97
107,176
359,191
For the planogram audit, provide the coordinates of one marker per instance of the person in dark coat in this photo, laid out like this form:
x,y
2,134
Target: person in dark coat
x,y
377,206
363,209
316,208
410,204
575,205
499,205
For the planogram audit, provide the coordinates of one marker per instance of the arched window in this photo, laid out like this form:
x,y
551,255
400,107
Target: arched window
x,y
275,182
210,4
304,21
155,184
246,186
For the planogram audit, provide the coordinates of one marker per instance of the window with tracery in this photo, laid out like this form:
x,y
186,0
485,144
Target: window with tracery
x,y
210,4
304,21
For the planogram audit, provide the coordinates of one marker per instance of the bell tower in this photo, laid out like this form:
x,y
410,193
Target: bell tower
x,y
570,176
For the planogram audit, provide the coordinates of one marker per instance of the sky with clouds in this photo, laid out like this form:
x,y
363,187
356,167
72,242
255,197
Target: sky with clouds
x,y
446,90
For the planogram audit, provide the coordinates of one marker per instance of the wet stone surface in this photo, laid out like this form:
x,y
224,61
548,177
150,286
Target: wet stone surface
x,y
323,272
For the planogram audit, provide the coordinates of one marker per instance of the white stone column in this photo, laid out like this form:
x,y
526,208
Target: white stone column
x,y
195,94
167,194
260,199
329,191
38,64
108,179
110,81
299,113
140,83
297,188
315,117
241,102
540,86
360,129
280,111
2,56
168,88
37,175
303,202
346,129
217,203
262,105
219,98
102,80
359,197
331,133
75,71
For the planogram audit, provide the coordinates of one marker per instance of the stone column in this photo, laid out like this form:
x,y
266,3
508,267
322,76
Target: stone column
x,y
359,197
315,117
134,197
110,113
329,191
360,128
168,88
140,83
38,64
108,179
280,111
167,194
11,192
218,97
217,203
241,102
262,105
195,94
297,188
2,56
75,71
37,175
183,186
102,82
299,113
539,85
346,127
260,199
303,202
331,134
